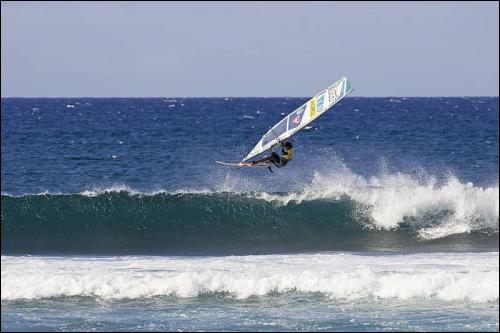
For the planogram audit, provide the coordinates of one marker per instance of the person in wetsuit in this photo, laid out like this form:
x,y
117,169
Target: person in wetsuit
x,y
287,153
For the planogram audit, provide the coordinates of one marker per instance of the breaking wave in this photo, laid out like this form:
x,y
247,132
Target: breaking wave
x,y
389,212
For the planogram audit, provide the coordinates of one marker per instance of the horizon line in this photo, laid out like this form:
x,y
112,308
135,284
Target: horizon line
x,y
388,96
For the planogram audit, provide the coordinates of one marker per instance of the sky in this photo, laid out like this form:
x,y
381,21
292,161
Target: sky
x,y
215,49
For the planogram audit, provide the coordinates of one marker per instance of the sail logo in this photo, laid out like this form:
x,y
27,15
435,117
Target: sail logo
x,y
334,93
296,117
312,107
321,101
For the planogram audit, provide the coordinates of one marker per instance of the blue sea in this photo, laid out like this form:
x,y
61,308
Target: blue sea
x,y
114,216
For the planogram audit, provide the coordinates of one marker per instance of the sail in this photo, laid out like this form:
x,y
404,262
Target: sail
x,y
302,116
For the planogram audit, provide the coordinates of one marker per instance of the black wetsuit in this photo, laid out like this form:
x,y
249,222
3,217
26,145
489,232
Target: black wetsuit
x,y
281,161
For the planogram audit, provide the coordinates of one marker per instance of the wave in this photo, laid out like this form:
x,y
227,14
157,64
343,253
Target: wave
x,y
449,277
389,201
385,213
112,221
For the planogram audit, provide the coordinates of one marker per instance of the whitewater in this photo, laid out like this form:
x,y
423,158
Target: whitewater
x,y
445,276
316,291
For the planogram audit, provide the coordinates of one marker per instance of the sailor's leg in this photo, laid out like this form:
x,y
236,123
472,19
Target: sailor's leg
x,y
275,159
265,159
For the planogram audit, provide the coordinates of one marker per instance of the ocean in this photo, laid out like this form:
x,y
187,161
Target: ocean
x,y
114,216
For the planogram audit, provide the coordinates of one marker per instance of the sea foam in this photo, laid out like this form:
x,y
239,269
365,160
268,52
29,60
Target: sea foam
x,y
389,200
470,277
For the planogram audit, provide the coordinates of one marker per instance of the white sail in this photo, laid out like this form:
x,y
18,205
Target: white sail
x,y
302,116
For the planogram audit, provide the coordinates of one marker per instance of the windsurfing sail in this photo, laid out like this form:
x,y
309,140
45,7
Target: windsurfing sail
x,y
302,116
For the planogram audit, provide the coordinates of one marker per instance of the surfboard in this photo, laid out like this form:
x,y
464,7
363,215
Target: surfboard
x,y
240,164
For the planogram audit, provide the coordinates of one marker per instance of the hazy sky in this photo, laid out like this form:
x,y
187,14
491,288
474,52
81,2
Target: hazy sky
x,y
248,49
